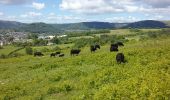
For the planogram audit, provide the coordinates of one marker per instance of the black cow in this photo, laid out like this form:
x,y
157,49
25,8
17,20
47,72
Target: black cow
x,y
97,46
52,54
120,44
38,54
120,58
74,52
114,47
58,52
61,55
93,48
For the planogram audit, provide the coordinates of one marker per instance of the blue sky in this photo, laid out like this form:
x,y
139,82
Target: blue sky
x,y
71,11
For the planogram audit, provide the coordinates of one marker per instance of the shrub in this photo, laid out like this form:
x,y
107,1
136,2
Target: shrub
x,y
3,56
45,49
82,43
56,48
53,90
29,50
67,88
152,35
1,47
55,40
7,97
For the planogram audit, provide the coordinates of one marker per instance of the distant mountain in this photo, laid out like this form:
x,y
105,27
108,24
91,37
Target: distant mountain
x,y
39,28
147,24
89,25
10,24
57,28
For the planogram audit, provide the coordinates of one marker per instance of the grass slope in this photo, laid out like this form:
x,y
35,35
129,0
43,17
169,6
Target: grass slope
x,y
96,76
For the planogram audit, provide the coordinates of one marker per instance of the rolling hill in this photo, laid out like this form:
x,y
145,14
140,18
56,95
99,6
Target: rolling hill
x,y
147,24
55,28
10,24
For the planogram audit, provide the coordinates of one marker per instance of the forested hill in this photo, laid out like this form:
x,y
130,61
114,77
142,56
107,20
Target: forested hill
x,y
147,24
44,27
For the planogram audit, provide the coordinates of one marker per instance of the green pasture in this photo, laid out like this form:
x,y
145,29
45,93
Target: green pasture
x,y
90,76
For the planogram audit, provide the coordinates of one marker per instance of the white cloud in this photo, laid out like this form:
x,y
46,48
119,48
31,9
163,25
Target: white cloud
x,y
54,18
24,15
157,3
38,6
30,14
14,2
34,14
116,6
1,13
121,19
98,6
12,18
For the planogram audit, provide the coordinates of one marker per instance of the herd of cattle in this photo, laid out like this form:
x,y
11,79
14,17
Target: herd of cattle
x,y
93,48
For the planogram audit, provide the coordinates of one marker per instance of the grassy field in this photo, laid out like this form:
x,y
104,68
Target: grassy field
x,y
90,76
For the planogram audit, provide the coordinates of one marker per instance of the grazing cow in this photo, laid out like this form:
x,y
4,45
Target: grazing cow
x,y
120,58
97,46
38,54
93,48
58,52
52,54
114,47
74,52
120,44
61,55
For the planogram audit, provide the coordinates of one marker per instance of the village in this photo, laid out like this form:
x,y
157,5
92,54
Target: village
x,y
23,37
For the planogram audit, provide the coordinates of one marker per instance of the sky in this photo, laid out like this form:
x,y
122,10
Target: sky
x,y
73,11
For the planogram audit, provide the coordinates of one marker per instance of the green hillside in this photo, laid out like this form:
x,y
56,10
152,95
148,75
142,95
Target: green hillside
x,y
59,28
91,76
147,24
167,23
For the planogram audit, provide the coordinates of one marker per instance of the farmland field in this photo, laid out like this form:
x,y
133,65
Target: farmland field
x,y
90,76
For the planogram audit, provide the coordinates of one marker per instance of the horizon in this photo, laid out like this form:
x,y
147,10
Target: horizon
x,y
76,11
80,22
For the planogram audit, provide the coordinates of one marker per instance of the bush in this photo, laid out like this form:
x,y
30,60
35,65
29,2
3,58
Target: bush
x,y
55,40
29,50
82,43
56,48
53,90
45,49
3,56
1,47
40,42
152,35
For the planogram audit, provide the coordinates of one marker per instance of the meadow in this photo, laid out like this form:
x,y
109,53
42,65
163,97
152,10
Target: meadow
x,y
90,76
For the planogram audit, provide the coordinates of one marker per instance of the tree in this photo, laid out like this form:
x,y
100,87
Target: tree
x,y
40,42
9,38
55,40
32,36
29,50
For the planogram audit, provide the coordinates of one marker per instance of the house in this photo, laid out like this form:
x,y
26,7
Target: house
x,y
61,36
51,37
1,43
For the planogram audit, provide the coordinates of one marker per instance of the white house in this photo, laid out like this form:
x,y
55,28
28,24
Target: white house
x,y
51,36
1,43
61,36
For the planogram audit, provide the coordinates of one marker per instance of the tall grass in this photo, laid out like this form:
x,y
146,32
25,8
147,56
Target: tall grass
x,y
146,75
